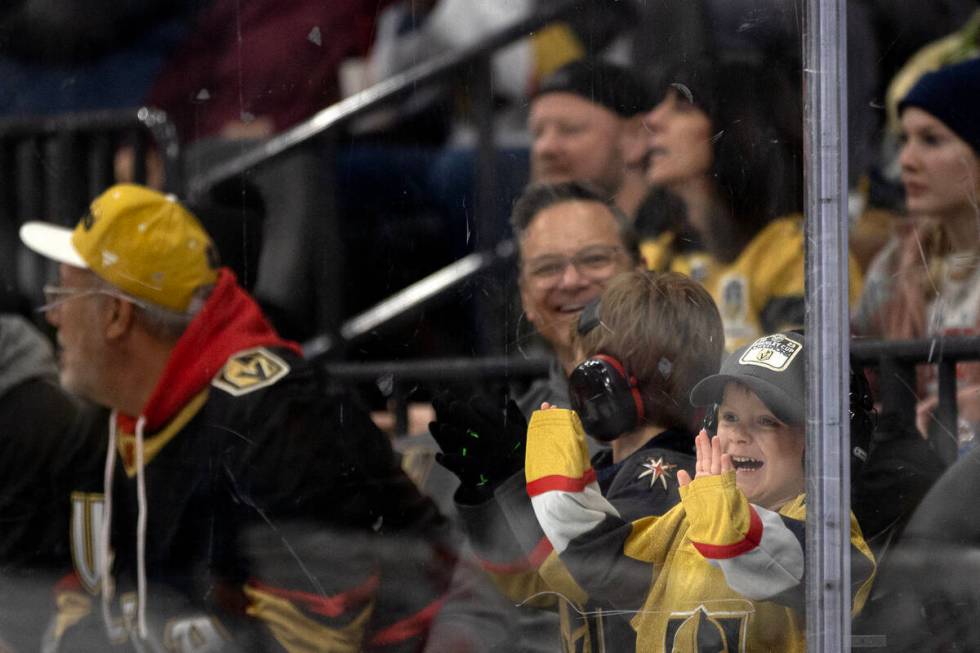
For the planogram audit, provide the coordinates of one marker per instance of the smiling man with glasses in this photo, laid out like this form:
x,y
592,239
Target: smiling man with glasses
x,y
571,242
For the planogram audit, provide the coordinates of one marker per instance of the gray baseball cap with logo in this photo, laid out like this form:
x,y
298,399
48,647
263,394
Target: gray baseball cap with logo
x,y
772,367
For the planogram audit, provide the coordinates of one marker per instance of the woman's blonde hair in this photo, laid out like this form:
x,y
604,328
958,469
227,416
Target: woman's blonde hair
x,y
918,268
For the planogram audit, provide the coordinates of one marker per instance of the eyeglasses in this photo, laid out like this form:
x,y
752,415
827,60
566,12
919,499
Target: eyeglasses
x,y
55,296
594,263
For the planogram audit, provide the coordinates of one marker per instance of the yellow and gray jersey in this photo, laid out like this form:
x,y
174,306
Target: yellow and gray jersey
x,y
713,573
514,551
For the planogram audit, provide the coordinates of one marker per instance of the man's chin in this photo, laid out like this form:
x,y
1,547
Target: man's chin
x,y
71,384
563,320
68,383
559,332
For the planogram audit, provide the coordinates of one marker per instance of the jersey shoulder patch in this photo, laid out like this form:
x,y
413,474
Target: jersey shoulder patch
x,y
250,370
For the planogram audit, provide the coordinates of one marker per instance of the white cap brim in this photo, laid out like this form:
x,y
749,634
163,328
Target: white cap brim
x,y
51,241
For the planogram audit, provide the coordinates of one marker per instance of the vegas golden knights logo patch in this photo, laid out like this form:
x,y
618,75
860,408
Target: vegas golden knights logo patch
x,y
250,370
86,528
774,352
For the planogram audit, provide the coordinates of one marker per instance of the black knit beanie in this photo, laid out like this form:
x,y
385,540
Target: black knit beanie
x,y
951,94
615,87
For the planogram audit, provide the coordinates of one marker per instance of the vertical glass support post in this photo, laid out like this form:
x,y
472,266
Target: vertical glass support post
x,y
828,600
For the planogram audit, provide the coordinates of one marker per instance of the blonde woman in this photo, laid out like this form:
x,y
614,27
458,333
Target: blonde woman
x,y
926,281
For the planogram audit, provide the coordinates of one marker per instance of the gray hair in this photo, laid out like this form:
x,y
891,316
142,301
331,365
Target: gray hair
x,y
161,322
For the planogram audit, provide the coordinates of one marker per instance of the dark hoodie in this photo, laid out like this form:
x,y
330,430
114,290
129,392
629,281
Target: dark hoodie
x,y
267,501
228,323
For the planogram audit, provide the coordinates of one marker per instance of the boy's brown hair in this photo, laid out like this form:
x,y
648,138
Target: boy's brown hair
x,y
666,330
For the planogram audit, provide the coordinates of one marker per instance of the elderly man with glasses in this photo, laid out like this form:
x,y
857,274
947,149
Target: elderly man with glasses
x,y
245,505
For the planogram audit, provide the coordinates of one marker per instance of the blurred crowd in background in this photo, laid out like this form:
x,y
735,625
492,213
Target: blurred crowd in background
x,y
648,156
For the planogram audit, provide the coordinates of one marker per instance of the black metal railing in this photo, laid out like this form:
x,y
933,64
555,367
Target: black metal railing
x,y
52,166
55,165
895,361
409,301
396,379
474,61
62,141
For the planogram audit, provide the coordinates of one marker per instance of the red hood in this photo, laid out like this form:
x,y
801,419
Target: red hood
x,y
229,322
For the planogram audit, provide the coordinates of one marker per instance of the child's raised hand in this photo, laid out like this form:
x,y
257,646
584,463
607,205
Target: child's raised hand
x,y
711,461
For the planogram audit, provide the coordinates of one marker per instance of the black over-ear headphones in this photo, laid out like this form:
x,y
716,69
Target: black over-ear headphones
x,y
605,397
602,391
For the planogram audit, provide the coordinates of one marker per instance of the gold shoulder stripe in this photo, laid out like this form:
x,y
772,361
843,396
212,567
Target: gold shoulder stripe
x,y
153,444
298,633
250,370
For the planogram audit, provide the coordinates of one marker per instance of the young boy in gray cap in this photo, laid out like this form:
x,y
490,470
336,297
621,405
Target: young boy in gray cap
x,y
724,568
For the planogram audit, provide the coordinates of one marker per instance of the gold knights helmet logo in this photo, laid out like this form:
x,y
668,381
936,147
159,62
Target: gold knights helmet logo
x,y
250,370
774,352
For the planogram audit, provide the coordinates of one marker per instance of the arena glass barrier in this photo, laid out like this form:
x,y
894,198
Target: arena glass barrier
x,y
828,621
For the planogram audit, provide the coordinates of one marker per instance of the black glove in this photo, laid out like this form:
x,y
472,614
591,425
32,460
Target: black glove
x,y
481,444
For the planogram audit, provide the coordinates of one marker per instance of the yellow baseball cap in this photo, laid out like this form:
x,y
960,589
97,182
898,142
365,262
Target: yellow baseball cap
x,y
140,241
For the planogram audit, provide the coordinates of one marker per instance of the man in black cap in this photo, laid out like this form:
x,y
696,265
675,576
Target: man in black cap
x,y
585,124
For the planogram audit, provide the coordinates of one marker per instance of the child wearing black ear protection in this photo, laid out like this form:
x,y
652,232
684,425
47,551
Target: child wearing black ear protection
x,y
723,569
645,343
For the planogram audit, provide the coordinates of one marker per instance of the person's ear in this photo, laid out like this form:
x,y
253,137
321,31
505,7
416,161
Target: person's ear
x,y
121,317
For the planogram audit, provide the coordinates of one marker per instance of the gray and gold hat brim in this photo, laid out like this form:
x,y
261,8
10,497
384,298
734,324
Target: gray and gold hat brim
x,y
787,408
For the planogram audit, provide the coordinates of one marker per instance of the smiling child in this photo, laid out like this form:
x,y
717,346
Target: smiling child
x,y
723,570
